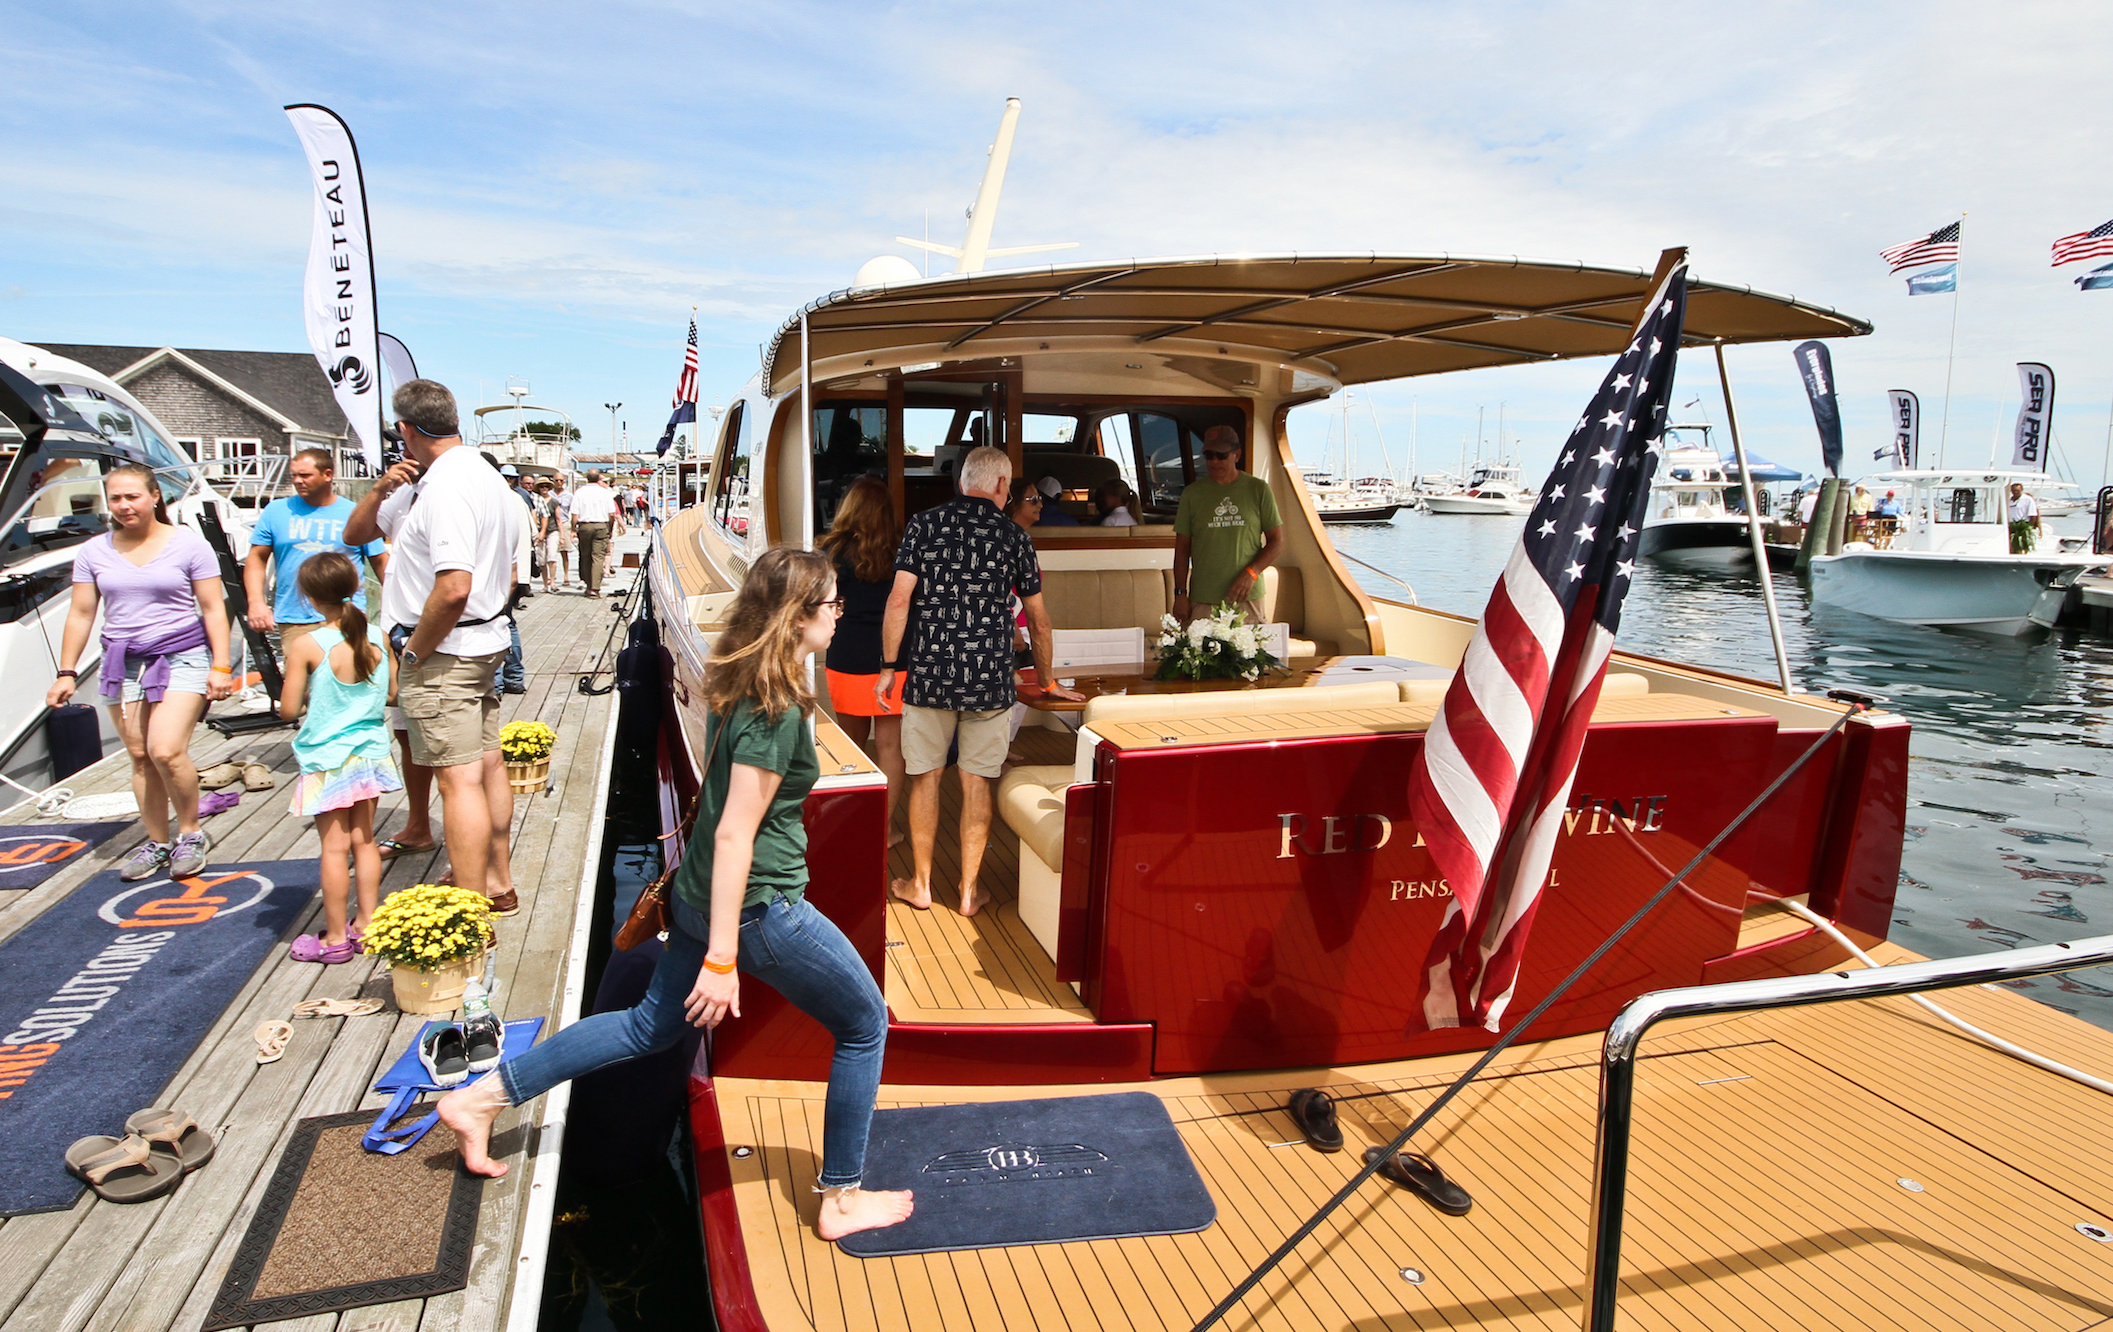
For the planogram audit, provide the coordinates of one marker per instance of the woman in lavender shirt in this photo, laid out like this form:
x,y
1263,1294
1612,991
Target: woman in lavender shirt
x,y
165,637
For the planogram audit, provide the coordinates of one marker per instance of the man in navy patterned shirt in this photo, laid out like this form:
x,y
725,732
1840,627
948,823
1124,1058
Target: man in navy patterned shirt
x,y
955,574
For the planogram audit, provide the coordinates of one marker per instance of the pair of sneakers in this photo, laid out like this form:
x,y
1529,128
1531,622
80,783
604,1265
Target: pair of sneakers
x,y
452,1051
178,859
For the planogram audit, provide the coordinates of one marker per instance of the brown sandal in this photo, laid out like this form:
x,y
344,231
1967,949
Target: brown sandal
x,y
175,1135
257,777
120,1170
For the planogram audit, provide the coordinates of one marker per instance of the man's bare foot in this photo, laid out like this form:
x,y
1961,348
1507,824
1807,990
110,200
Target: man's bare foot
x,y
470,1111
848,1211
907,892
896,839
973,899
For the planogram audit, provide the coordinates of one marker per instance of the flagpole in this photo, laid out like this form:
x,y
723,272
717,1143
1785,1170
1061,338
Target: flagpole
x,y
695,424
1951,347
1753,525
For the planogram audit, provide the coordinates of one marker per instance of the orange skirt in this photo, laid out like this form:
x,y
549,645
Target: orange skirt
x,y
852,695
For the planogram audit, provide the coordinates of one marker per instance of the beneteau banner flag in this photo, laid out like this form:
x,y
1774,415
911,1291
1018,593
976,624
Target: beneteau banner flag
x,y
1907,423
337,298
2035,416
1490,784
1817,369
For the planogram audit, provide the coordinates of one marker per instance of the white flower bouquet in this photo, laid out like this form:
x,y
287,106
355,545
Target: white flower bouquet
x,y
1218,646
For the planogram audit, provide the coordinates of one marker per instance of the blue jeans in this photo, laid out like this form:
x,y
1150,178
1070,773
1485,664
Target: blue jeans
x,y
792,948
513,673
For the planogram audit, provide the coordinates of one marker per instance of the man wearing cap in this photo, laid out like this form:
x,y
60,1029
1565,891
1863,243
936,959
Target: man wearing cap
x,y
2024,520
1226,532
594,514
1053,515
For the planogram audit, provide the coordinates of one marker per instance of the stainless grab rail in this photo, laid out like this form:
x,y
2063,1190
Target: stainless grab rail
x,y
1617,1073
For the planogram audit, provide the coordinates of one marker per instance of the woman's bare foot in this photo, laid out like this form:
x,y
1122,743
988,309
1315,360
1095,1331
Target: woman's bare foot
x,y
470,1111
973,899
906,892
848,1211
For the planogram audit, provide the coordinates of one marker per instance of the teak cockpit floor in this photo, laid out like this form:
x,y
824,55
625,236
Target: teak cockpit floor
x,y
946,967
1769,1190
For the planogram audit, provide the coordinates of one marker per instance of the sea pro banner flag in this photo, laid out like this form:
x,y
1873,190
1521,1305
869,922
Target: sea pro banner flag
x,y
1816,367
1934,281
1907,423
2098,279
337,297
685,392
2035,415
1488,788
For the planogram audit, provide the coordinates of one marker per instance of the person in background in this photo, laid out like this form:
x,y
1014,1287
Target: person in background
x,y
595,518
1115,503
1885,520
307,522
2024,520
165,639
739,903
453,533
561,506
543,530
862,540
956,569
344,675
513,672
1226,532
1053,515
1860,506
519,484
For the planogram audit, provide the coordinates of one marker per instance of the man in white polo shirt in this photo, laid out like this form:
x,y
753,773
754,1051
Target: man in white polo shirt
x,y
593,513
452,529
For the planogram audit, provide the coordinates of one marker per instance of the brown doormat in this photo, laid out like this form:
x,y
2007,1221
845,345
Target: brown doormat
x,y
340,1227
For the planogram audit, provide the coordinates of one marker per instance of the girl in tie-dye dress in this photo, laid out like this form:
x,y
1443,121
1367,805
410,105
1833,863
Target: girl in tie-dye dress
x,y
344,674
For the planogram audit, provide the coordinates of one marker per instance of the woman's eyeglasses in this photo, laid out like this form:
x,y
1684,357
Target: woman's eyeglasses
x,y
836,605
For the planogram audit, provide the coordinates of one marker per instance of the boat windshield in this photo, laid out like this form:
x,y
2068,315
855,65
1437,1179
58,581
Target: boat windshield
x,y
121,425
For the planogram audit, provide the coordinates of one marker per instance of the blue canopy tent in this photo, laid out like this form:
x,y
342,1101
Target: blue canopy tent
x,y
1764,471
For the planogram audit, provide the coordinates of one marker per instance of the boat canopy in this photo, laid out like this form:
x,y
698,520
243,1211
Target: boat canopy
x,y
1763,470
1327,319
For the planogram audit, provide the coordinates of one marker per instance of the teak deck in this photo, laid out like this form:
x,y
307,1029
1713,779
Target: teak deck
x,y
158,1265
1768,1191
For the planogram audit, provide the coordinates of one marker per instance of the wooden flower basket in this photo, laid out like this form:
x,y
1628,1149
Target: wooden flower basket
x,y
437,991
529,778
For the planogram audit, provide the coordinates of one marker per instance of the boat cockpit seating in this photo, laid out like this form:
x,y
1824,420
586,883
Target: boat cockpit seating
x,y
1140,591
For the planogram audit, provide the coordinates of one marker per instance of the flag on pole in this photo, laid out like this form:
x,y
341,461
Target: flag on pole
x,y
685,392
1488,789
1938,246
337,297
2093,244
2098,279
1934,281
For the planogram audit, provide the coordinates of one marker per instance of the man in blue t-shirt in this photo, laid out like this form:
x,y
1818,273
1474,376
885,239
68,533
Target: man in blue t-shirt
x,y
290,530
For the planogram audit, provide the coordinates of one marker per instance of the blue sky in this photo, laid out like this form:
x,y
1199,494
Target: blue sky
x,y
553,187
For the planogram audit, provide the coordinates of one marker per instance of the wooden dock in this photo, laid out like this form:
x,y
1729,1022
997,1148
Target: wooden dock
x,y
157,1265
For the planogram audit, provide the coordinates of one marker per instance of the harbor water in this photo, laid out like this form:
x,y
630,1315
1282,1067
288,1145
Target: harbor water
x,y
2010,779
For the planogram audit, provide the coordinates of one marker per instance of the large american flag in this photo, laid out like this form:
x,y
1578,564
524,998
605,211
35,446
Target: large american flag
x,y
2084,245
1488,790
686,387
1935,248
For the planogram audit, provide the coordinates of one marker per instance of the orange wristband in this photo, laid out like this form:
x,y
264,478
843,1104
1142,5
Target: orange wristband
x,y
718,969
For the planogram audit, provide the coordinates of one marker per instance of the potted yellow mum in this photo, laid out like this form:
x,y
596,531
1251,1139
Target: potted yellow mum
x,y
526,747
434,936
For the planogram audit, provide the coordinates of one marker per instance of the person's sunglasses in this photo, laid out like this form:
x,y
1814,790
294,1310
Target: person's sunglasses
x,y
837,605
1219,455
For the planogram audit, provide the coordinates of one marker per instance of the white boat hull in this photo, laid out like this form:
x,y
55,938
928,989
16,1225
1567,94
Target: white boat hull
x,y
1517,508
1999,594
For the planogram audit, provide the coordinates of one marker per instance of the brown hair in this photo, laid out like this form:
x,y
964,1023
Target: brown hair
x,y
329,578
757,657
864,533
146,478
320,457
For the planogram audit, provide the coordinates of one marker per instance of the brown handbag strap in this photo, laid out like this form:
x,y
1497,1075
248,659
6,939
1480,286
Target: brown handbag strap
x,y
689,821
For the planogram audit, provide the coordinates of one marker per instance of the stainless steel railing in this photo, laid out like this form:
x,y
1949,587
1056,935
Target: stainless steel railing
x,y
1617,1074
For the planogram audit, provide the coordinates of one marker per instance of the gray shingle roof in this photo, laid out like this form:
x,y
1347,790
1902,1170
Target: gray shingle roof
x,y
290,382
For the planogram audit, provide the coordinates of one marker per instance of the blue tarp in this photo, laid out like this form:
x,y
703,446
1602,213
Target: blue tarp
x,y
1764,471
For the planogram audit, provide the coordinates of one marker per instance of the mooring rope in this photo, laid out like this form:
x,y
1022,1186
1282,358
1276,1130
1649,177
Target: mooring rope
x,y
1857,704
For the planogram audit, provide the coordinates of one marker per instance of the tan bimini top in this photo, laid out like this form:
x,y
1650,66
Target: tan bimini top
x,y
1325,319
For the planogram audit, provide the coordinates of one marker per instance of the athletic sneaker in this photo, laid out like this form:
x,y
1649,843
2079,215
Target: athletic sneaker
x,y
482,1039
443,1053
147,860
187,857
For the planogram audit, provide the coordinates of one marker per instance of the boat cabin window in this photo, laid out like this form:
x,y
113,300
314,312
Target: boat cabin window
x,y
65,505
730,476
1964,505
121,425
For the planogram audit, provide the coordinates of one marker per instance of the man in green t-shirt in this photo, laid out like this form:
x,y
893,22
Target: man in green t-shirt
x,y
1226,532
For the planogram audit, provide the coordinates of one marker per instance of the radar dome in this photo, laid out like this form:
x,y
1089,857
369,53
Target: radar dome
x,y
886,270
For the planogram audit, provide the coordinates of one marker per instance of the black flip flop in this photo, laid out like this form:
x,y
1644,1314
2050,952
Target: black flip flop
x,y
1314,1114
175,1135
1420,1174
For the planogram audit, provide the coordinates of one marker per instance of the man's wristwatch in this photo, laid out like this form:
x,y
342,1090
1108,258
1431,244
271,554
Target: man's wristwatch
x,y
1181,591
407,658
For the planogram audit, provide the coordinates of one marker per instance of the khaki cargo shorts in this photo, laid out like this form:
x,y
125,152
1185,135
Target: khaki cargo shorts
x,y
982,738
450,711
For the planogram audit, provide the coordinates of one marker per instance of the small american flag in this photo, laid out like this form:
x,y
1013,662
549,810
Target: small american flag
x,y
2084,245
1489,787
686,387
1935,248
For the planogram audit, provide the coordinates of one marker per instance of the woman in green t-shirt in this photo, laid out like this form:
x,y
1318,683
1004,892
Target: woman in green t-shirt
x,y
740,902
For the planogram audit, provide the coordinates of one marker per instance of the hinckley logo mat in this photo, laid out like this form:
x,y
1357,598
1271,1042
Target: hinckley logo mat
x,y
33,851
1010,1163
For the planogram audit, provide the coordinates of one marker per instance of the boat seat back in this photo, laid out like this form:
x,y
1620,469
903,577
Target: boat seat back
x,y
1097,647
1135,597
1618,684
1218,703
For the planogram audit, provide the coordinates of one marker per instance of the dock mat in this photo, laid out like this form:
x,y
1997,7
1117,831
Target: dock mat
x,y
340,1227
105,995
1032,1172
30,853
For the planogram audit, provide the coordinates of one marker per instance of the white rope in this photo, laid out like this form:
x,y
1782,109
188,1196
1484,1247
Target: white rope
x,y
2015,1051
48,801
